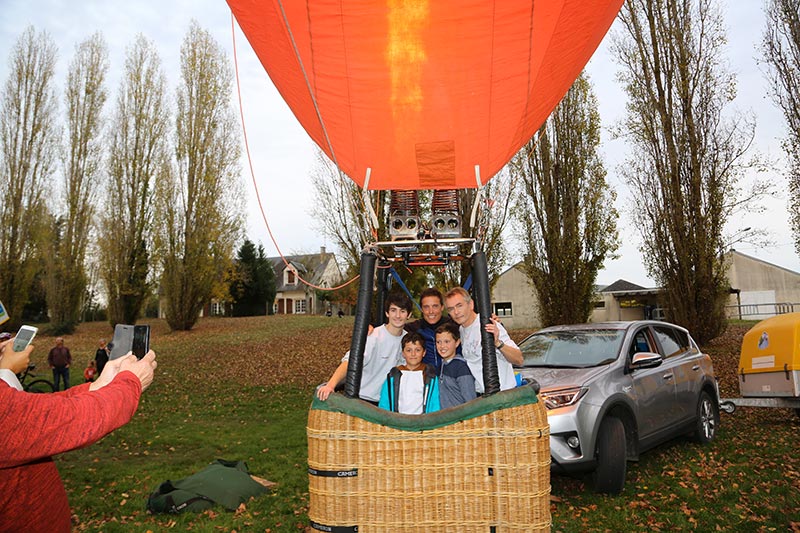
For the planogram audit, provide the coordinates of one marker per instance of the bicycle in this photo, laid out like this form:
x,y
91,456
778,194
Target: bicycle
x,y
38,384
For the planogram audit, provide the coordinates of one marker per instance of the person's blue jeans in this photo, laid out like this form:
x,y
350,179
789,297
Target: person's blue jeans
x,y
58,373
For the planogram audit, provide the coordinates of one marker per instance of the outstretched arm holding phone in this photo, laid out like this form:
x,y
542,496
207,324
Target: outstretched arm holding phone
x,y
35,426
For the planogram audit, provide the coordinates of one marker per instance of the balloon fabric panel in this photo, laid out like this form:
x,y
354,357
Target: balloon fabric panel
x,y
422,92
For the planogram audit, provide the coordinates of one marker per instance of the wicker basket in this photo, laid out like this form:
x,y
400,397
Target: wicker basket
x,y
483,466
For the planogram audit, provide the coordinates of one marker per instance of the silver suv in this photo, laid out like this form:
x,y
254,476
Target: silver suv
x,y
613,390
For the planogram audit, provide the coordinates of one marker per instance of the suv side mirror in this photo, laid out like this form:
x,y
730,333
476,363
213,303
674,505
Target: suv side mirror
x,y
646,360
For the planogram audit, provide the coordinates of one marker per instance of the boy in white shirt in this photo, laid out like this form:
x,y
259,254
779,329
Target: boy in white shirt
x,y
381,353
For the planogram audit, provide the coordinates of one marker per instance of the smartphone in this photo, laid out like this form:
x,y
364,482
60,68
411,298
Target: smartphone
x,y
129,338
141,341
24,337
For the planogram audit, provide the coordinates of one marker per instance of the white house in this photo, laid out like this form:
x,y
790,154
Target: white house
x,y
295,297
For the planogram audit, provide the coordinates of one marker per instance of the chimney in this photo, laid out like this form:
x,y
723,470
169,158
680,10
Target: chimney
x,y
321,250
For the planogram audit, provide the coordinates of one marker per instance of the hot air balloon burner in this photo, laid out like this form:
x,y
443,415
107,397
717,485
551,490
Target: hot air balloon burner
x,y
446,220
404,221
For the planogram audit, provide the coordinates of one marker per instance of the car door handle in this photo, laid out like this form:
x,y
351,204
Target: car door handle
x,y
668,376
696,368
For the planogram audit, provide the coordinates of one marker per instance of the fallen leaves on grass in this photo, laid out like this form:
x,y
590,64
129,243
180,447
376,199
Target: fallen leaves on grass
x,y
747,480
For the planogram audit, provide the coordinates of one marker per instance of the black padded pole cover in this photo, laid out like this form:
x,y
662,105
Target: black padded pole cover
x,y
480,280
355,365
383,289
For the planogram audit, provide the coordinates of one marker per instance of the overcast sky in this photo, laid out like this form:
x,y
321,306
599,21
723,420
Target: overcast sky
x,y
282,153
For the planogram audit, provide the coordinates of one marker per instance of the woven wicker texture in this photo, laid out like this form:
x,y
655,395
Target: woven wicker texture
x,y
474,474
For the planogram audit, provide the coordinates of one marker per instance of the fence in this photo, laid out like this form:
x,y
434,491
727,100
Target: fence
x,y
760,311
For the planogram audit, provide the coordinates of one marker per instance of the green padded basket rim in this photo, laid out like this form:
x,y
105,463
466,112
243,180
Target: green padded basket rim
x,y
338,403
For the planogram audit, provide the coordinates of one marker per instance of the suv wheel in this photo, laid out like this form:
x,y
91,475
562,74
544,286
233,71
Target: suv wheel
x,y
707,419
611,453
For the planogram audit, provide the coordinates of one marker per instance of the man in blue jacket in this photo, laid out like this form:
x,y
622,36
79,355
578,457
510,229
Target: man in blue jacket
x,y
432,304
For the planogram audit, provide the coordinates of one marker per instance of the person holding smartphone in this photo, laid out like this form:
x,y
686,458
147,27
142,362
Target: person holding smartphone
x,y
11,362
34,427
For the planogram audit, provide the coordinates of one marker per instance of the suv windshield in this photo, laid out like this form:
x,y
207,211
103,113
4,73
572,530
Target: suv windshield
x,y
575,348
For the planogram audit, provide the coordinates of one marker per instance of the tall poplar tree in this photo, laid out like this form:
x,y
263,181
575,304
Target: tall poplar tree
x,y
28,150
686,159
82,163
781,50
200,200
565,208
137,147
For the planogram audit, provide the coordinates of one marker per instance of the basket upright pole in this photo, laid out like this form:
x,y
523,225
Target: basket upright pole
x,y
383,289
355,365
480,279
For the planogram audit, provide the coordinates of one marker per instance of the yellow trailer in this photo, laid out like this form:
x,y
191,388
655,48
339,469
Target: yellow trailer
x,y
769,365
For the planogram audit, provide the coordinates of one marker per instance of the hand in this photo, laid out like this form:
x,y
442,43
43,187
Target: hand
x,y
15,361
324,391
143,369
492,328
107,375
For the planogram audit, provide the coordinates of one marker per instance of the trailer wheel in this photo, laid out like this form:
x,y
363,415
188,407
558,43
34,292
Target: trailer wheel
x,y
707,419
727,407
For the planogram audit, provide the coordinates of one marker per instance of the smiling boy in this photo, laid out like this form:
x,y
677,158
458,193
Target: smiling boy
x,y
381,352
456,384
412,388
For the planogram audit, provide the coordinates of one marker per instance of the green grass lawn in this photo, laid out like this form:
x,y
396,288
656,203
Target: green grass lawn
x,y
240,389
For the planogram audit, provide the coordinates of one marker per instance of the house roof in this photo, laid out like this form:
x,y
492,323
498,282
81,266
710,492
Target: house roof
x,y
622,285
519,266
756,259
311,267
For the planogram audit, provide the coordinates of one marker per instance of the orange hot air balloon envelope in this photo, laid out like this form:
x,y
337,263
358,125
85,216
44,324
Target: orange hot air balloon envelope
x,y
420,92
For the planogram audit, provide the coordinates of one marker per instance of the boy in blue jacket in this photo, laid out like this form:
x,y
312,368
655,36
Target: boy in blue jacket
x,y
412,388
456,384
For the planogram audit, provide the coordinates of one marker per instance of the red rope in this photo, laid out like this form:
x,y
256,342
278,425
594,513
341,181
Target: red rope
x,y
253,175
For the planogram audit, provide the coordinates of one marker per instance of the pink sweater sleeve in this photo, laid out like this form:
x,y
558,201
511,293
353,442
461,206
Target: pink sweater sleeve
x,y
34,426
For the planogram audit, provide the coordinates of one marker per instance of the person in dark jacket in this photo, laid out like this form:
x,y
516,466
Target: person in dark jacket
x,y
432,305
412,388
101,356
59,360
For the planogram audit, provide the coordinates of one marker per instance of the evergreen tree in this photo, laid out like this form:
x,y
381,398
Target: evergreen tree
x,y
253,285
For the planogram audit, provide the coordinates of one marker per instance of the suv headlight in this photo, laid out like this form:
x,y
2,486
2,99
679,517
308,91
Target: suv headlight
x,y
563,398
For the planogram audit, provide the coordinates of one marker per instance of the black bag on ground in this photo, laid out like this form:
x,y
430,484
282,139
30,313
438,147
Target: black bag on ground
x,y
227,483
